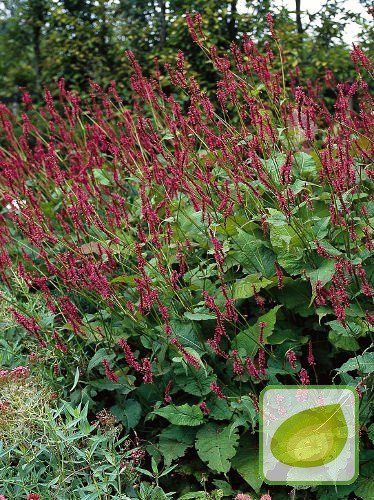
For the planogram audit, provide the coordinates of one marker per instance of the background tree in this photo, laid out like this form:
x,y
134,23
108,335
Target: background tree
x,y
42,40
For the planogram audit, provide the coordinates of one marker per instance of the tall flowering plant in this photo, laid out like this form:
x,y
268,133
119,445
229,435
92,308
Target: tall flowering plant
x,y
186,251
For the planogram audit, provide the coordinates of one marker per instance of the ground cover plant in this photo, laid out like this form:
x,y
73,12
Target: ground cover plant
x,y
164,260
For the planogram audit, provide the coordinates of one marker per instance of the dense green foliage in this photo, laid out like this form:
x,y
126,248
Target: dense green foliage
x,y
165,257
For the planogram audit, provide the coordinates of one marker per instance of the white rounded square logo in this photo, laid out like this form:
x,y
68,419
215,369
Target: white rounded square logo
x,y
309,435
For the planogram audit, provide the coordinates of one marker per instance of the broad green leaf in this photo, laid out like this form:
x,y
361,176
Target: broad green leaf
x,y
253,254
219,409
186,414
238,422
321,227
234,223
173,442
279,336
216,447
344,337
371,433
187,333
304,166
179,357
225,487
191,225
103,384
324,273
129,414
158,494
98,357
273,164
196,383
128,280
244,288
363,363
323,311
341,341
365,488
246,463
328,247
246,408
286,243
295,296
101,177
199,316
311,438
194,495
292,263
248,338
284,239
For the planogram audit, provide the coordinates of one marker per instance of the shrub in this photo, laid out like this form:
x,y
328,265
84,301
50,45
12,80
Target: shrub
x,y
69,457
178,254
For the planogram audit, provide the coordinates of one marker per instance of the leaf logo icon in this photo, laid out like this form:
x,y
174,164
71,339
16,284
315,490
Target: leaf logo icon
x,y
311,437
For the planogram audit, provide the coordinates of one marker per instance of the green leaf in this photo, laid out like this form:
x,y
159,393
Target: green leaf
x,y
199,316
304,166
321,227
323,311
173,442
328,247
294,265
167,137
158,494
179,357
246,463
98,357
247,339
186,332
76,379
128,280
363,363
365,488
186,414
311,437
244,288
219,409
197,383
371,433
246,408
253,254
295,296
129,414
324,273
273,164
194,495
344,337
191,225
341,341
100,177
132,411
286,244
287,334
365,483
284,238
225,487
103,384
216,447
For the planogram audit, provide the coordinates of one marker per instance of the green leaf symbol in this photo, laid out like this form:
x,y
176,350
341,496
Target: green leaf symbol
x,y
311,437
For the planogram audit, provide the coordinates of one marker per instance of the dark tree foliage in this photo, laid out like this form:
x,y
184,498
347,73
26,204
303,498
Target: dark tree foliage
x,y
82,40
